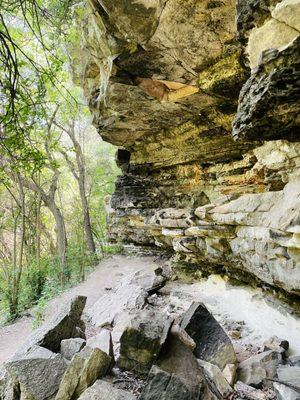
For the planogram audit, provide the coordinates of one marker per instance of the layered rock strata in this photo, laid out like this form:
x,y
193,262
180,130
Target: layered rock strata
x,y
202,100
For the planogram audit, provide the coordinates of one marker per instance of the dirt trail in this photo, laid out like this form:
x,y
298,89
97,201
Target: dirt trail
x,y
107,275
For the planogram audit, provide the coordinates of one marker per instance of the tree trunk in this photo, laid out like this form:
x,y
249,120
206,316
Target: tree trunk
x,y
86,217
61,235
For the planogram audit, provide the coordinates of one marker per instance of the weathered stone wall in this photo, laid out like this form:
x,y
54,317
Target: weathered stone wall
x,y
202,99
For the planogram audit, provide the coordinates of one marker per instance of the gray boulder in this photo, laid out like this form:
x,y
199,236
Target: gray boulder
x,y
69,347
177,375
97,365
130,294
65,325
216,381
288,385
85,368
102,341
102,390
142,340
168,386
256,369
212,343
39,371
246,392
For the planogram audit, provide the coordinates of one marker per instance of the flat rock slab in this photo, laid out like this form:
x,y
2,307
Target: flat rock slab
x,y
102,390
130,294
212,343
39,371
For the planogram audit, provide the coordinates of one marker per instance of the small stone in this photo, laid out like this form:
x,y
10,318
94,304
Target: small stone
x,y
69,347
256,369
236,335
294,361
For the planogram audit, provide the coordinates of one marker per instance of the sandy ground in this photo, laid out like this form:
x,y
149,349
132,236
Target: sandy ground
x,y
106,275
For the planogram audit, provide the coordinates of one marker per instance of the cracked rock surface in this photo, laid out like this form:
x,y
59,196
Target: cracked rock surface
x,y
202,100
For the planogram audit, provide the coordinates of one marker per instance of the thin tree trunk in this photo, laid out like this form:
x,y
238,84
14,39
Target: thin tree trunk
x,y
80,176
61,234
86,218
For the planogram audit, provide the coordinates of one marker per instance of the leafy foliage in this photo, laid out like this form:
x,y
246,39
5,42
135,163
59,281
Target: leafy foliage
x,y
43,206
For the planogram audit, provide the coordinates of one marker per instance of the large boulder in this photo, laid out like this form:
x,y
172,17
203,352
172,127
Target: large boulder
x,y
288,385
256,369
96,366
102,390
85,368
143,339
70,379
39,371
64,325
177,375
212,343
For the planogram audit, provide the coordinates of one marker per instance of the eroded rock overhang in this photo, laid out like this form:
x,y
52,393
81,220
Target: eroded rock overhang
x,y
202,99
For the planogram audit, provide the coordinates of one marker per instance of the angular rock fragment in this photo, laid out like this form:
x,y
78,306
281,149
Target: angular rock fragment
x,y
102,390
277,344
229,373
102,341
142,340
70,379
65,325
212,343
256,369
69,347
244,391
288,385
177,374
85,368
9,387
39,371
96,366
216,381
